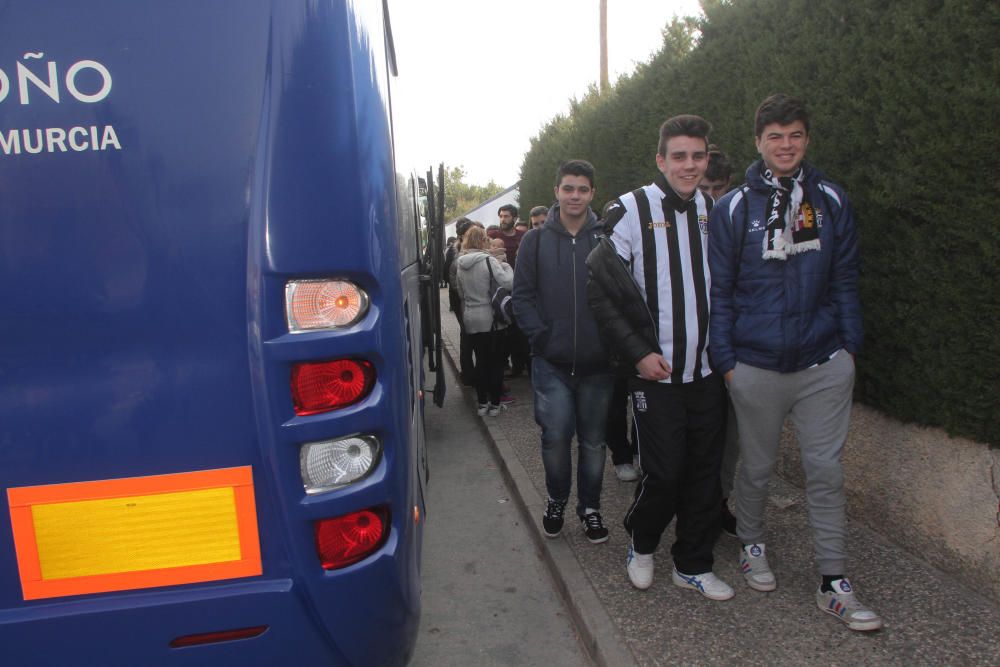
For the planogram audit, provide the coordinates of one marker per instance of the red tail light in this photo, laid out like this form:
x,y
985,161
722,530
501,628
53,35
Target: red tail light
x,y
345,540
214,637
328,385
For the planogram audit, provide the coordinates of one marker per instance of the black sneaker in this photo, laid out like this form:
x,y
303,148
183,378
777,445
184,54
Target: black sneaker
x,y
594,527
552,521
728,520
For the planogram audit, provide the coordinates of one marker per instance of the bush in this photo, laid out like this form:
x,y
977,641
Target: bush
x,y
901,96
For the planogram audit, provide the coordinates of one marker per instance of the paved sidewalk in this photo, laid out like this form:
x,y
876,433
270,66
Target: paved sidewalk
x,y
929,618
488,598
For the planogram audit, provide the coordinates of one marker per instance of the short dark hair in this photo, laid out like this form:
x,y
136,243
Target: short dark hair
x,y
685,125
575,168
508,207
462,225
781,109
538,210
719,166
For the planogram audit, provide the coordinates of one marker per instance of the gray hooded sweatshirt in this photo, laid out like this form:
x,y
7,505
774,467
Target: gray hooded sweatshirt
x,y
476,289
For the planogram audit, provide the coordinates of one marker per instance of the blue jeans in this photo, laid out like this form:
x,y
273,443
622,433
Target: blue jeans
x,y
566,405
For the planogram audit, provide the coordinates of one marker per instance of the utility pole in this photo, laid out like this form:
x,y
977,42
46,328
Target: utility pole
x,y
604,45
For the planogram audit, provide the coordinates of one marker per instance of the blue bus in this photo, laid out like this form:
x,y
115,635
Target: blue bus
x,y
211,403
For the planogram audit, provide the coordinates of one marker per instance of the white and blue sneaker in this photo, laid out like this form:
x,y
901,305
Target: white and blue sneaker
x,y
639,568
706,583
846,607
756,571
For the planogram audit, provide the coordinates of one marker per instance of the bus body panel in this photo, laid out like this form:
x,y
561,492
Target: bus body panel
x,y
145,242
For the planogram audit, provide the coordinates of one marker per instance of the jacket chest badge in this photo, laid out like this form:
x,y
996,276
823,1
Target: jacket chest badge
x,y
810,217
703,224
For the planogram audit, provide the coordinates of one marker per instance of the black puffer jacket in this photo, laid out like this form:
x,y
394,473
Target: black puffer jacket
x,y
623,319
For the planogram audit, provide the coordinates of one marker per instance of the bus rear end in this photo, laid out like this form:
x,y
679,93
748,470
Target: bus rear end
x,y
210,412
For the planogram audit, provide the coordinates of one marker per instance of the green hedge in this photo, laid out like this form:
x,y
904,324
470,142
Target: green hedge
x,y
903,98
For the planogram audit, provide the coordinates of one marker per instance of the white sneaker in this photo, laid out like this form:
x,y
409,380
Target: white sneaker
x,y
483,408
626,472
639,568
845,606
494,410
756,571
707,584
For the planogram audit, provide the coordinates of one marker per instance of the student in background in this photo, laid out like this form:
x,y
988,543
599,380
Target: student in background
x,y
478,272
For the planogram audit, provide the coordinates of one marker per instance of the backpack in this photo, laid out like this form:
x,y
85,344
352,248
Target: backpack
x,y
500,300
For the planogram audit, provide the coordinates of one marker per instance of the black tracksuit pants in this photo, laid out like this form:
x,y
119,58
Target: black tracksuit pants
x,y
622,451
681,434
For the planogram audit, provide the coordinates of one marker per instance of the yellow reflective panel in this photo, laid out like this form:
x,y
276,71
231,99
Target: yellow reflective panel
x,y
135,533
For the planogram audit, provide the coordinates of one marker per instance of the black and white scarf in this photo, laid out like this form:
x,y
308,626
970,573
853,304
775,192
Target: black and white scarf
x,y
791,220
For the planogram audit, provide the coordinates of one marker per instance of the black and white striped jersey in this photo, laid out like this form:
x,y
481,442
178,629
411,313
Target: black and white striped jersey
x,y
665,241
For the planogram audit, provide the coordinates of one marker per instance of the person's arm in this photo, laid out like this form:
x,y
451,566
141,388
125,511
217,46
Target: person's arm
x,y
649,363
723,256
459,285
606,297
502,273
844,274
617,332
449,257
525,291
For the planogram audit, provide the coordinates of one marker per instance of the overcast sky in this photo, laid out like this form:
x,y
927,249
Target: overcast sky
x,y
499,71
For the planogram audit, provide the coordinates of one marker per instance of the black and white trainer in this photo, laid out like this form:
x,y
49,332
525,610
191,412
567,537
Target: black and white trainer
x,y
593,526
552,520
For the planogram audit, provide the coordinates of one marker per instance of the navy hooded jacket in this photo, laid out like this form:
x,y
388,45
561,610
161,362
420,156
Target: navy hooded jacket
x,y
550,295
782,315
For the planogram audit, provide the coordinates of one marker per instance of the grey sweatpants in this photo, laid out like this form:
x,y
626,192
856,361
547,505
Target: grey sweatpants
x,y
730,455
819,402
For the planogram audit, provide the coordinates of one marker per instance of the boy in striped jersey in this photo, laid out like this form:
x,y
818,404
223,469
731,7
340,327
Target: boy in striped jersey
x,y
649,291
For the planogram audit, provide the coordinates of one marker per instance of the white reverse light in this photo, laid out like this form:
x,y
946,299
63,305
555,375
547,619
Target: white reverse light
x,y
323,304
330,464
